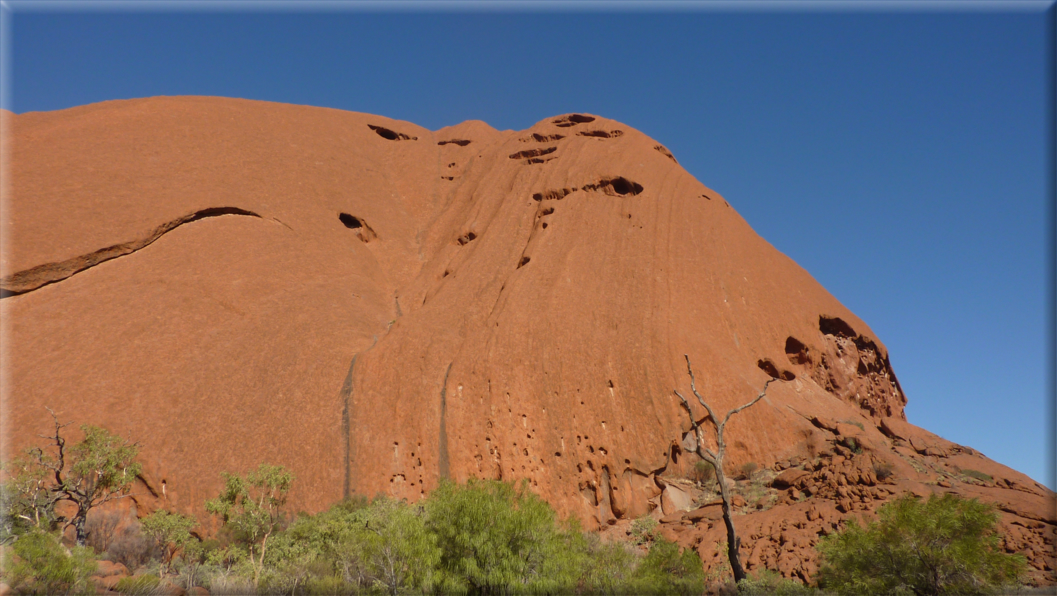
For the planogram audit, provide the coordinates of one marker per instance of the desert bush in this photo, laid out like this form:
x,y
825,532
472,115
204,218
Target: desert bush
x,y
26,501
330,585
883,470
139,585
131,548
769,583
665,570
385,545
189,571
37,563
977,475
642,529
608,567
747,470
251,508
943,545
497,537
852,444
100,528
171,532
223,582
702,473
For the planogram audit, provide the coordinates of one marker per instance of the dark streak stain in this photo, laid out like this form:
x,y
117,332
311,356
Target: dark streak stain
x,y
445,473
346,426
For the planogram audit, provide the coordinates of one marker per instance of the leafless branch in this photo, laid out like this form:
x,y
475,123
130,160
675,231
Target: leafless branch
x,y
758,398
697,430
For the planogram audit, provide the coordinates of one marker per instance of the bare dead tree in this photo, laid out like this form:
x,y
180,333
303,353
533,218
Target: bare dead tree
x,y
716,459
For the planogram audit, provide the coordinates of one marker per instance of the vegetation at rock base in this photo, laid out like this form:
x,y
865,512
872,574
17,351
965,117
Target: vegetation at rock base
x,y
642,529
942,545
482,537
716,460
172,533
98,469
770,583
37,563
702,473
251,507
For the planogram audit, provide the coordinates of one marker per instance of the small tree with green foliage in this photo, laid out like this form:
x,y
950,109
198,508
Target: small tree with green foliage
x,y
943,545
37,563
251,507
100,468
399,551
171,532
26,500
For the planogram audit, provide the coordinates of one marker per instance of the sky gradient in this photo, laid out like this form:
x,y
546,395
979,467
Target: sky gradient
x,y
903,157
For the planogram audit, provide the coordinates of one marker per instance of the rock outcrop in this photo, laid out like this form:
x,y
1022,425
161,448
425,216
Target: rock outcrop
x,y
379,307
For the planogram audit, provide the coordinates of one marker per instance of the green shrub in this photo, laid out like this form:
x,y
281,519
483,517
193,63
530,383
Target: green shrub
x,y
251,508
667,571
748,469
769,583
330,585
944,545
398,551
138,585
702,473
978,475
883,470
608,567
642,529
500,538
36,563
171,532
852,444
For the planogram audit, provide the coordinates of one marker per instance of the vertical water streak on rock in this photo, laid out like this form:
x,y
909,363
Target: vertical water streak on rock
x,y
443,450
346,426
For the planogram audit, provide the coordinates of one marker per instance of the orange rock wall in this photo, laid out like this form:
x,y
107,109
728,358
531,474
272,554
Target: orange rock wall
x,y
378,306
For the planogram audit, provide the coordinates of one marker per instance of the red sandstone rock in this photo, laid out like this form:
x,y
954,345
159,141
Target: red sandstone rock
x,y
109,568
788,478
378,306
674,500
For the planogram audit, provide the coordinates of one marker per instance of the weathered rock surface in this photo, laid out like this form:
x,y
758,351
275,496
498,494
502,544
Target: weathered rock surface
x,y
378,306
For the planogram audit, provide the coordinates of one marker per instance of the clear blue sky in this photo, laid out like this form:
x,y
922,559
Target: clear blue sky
x,y
901,156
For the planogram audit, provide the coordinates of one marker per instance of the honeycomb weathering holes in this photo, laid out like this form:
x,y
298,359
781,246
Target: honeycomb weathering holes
x,y
541,138
602,134
796,351
391,135
573,120
768,367
533,152
772,371
835,326
351,221
466,238
359,226
623,186
616,186
459,142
